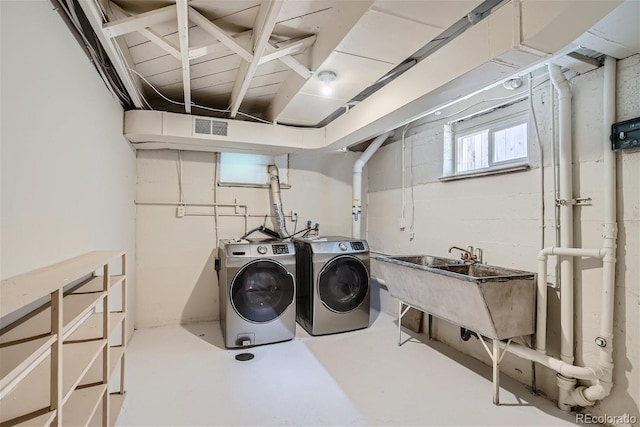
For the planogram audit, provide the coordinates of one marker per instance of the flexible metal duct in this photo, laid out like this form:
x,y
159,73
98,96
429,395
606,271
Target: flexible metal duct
x,y
277,214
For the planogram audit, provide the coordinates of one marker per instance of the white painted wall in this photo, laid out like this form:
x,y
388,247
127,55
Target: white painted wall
x,y
68,174
177,282
500,214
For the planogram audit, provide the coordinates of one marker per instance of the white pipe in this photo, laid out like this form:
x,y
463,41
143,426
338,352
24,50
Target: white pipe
x,y
356,208
566,212
541,310
215,198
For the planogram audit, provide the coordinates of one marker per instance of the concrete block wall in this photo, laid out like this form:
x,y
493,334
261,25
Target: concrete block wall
x,y
177,282
501,214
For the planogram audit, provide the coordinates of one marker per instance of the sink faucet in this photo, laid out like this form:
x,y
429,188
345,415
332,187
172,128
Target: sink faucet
x,y
467,256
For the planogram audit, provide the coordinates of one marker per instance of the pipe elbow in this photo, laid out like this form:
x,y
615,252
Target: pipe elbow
x,y
273,170
559,81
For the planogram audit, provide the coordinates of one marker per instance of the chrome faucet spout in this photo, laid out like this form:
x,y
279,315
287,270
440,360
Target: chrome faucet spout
x,y
465,255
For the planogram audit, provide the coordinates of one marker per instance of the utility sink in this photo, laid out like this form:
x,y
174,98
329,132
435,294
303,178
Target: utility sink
x,y
428,260
495,302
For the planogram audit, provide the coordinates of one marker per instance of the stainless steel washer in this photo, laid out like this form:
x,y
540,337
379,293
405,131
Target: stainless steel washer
x,y
257,292
333,284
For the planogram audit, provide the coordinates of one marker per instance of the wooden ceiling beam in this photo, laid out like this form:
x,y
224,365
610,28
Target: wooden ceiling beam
x,y
139,22
183,33
290,47
219,34
262,29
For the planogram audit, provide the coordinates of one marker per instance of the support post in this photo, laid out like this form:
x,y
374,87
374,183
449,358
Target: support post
x,y
496,371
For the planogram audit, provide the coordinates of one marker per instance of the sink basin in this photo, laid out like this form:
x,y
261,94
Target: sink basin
x,y
427,260
482,271
495,302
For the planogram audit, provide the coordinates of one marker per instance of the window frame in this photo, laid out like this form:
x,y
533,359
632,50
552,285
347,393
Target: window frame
x,y
283,174
475,126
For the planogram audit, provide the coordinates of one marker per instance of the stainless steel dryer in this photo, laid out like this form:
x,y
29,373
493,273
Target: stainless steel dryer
x,y
332,284
257,292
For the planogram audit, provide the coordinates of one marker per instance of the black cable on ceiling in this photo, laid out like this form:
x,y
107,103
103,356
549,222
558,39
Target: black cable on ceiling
x,y
91,46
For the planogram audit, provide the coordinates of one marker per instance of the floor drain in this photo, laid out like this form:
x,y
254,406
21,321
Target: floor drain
x,y
243,357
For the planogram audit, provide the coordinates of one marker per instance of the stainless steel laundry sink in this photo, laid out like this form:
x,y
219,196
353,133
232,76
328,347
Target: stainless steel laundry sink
x,y
493,301
427,260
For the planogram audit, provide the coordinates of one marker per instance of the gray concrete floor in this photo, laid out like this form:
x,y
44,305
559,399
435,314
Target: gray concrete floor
x,y
183,376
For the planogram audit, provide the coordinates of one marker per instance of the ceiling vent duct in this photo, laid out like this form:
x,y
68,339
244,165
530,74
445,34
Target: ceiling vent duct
x,y
203,126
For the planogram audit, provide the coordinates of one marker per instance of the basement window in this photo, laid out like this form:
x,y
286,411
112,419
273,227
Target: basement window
x,y
250,170
483,147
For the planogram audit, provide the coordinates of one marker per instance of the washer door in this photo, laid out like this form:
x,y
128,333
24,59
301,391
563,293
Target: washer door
x,y
262,290
343,284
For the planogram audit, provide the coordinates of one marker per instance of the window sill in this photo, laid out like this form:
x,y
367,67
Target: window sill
x,y
244,185
485,172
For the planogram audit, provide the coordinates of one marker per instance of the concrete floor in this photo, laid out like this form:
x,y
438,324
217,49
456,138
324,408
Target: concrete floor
x,y
182,375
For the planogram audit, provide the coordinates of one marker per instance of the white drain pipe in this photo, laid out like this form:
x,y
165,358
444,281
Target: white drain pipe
x,y
356,208
566,212
602,374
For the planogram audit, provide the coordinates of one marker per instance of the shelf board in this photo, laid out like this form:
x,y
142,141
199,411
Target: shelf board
x,y
29,395
92,327
37,421
78,358
17,360
32,393
94,374
82,405
115,406
24,289
96,284
75,308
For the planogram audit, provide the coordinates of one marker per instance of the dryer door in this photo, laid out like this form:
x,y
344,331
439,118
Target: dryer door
x,y
343,283
262,290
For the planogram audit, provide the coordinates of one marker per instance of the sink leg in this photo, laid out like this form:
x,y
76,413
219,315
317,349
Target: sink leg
x,y
496,372
399,322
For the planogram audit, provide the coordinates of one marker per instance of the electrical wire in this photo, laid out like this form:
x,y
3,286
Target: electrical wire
x,y
534,120
193,104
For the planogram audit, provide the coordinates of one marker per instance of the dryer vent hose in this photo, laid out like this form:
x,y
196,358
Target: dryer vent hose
x,y
278,219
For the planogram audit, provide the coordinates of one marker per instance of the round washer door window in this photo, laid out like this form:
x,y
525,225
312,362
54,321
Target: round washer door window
x,y
262,290
343,284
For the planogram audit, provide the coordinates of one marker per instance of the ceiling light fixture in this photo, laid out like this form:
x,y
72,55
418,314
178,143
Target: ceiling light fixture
x,y
512,84
326,77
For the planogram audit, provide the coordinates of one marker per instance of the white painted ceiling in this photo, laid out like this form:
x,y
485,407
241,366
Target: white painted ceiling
x,y
360,41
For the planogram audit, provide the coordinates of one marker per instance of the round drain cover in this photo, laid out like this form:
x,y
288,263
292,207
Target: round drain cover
x,y
243,357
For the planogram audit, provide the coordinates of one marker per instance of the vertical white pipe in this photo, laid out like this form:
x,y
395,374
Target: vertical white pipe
x,y
356,208
541,314
566,211
610,226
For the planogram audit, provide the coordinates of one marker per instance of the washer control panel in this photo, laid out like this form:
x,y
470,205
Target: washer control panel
x,y
279,249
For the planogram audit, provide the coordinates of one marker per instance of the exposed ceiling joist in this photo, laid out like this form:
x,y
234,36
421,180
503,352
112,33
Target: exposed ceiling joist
x,y
161,42
296,66
139,22
199,51
183,34
151,35
262,29
286,48
344,17
94,15
219,34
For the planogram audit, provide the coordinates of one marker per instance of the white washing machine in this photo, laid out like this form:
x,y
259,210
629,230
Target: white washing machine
x,y
332,276
257,292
